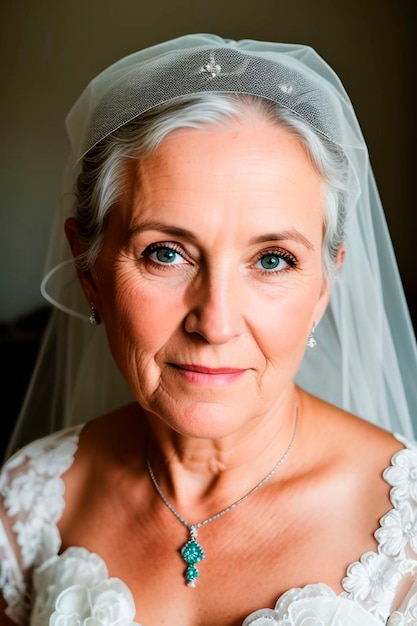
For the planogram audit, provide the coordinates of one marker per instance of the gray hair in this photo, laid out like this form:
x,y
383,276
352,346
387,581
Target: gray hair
x,y
104,176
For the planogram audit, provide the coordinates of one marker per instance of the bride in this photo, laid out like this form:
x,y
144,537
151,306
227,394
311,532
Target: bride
x,y
232,255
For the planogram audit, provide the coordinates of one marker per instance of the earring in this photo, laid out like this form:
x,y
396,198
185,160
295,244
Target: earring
x,y
311,342
94,318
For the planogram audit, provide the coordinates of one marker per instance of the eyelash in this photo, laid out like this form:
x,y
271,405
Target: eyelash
x,y
289,259
162,245
281,254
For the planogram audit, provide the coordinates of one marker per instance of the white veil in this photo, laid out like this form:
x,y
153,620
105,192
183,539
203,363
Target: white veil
x,y
365,360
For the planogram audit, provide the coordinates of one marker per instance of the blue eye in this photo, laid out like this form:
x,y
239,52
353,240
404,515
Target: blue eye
x,y
166,255
163,254
270,261
275,261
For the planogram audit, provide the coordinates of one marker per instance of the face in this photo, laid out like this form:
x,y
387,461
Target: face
x,y
210,277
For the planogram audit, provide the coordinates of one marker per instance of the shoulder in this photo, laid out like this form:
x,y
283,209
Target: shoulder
x,y
374,580
76,448
31,489
28,475
348,437
374,502
57,448
111,439
353,457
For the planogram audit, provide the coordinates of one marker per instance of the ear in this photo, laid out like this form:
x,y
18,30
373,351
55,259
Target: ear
x,y
324,297
341,254
84,276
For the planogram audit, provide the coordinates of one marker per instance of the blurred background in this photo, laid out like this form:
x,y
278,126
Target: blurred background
x,y
51,49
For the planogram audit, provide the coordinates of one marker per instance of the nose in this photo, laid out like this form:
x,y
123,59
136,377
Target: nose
x,y
216,308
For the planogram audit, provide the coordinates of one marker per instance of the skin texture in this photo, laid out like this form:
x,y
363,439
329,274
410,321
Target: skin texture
x,y
209,338
214,306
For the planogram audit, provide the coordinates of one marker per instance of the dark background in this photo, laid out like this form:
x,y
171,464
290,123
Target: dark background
x,y
50,49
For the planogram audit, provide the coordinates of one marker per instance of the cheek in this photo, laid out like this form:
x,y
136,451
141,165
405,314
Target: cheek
x,y
139,317
282,324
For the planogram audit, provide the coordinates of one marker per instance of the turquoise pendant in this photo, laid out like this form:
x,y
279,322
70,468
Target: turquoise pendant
x,y
192,553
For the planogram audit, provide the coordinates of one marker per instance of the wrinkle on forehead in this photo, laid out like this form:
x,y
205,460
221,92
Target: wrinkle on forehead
x,y
222,169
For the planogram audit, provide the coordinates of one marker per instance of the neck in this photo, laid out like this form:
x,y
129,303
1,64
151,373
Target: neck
x,y
200,476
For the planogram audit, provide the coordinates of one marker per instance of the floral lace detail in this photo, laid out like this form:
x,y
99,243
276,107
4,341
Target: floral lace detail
x,y
35,498
31,494
74,588
374,579
402,474
315,605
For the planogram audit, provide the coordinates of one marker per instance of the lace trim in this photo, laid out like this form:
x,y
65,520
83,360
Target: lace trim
x,y
373,580
32,489
75,588
315,605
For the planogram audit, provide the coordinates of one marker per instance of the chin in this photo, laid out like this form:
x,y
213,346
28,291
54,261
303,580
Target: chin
x,y
204,421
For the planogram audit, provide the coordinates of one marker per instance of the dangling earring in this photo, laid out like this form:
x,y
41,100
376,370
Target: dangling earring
x,y
311,342
94,318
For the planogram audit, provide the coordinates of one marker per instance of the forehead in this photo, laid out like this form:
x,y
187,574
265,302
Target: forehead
x,y
243,170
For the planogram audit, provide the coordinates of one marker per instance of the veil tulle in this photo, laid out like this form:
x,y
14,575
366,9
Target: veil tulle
x,y
365,360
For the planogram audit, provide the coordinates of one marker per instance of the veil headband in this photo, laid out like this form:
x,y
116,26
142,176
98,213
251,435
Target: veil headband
x,y
139,83
365,360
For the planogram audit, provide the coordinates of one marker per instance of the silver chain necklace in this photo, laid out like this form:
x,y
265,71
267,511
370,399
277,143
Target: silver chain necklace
x,y
191,551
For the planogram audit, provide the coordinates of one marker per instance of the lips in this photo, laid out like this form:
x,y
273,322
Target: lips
x,y
208,376
202,369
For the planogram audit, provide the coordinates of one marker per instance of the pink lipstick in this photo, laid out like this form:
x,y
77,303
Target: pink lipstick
x,y
208,376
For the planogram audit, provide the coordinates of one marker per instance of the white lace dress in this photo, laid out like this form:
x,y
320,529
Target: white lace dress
x,y
43,587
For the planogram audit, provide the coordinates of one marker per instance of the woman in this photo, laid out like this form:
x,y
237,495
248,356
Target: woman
x,y
223,198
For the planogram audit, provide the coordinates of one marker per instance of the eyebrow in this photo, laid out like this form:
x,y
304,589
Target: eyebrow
x,y
163,228
176,231
285,235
